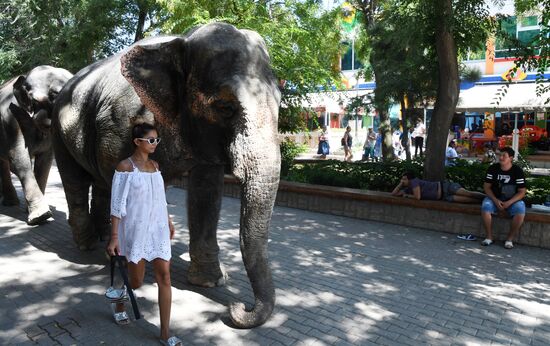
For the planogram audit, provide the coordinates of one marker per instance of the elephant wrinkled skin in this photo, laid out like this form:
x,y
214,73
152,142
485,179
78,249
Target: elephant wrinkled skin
x,y
212,95
25,111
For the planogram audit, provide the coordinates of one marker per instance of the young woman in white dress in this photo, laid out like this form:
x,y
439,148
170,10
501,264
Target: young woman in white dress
x,y
141,227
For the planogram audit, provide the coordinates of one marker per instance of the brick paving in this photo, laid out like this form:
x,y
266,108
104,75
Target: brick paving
x,y
339,281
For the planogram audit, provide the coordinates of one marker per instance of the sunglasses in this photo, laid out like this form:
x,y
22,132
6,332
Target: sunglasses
x,y
150,140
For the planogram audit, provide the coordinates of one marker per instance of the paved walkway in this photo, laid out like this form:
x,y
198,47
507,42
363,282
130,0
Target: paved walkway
x,y
339,281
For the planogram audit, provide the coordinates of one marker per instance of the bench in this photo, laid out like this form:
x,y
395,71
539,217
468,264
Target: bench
x,y
382,206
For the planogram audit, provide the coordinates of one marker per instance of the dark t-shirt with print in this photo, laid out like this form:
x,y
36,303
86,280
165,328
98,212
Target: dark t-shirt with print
x,y
505,184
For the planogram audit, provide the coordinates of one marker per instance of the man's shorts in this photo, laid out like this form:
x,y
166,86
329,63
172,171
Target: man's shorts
x,y
488,206
448,190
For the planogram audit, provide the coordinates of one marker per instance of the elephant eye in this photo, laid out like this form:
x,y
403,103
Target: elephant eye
x,y
225,106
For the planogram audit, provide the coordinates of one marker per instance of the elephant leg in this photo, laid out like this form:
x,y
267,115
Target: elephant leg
x,y
20,163
100,211
76,183
8,190
203,207
42,166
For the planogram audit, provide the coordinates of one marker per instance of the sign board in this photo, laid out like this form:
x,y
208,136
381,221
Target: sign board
x,y
511,75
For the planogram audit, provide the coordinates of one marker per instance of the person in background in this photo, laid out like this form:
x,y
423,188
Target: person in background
x,y
450,154
347,142
368,147
378,145
505,188
324,147
412,187
418,136
397,147
489,155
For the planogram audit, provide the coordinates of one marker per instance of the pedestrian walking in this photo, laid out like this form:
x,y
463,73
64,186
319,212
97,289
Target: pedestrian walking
x,y
141,227
418,135
368,147
324,147
378,145
347,142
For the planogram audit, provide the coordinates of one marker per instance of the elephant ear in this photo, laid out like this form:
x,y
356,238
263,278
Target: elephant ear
x,y
21,93
155,72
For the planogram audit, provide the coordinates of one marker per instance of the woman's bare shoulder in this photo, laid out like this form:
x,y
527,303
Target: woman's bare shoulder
x,y
124,166
155,163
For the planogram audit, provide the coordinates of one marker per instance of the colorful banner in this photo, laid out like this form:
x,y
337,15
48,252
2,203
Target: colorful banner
x,y
348,17
511,75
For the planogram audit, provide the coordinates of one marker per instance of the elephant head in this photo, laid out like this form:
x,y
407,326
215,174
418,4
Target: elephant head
x,y
34,96
215,84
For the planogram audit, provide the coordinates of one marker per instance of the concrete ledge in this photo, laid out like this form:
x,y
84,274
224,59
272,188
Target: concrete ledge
x,y
381,206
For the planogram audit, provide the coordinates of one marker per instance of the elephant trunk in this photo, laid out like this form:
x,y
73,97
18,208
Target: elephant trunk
x,y
256,163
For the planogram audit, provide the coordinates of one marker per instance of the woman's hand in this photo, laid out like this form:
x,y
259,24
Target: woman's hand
x,y
112,248
172,228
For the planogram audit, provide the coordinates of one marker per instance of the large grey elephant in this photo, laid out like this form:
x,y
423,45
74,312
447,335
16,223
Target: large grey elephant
x,y
213,97
25,109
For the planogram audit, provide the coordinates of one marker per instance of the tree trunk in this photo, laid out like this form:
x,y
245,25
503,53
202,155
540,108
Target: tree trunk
x,y
447,93
385,124
141,20
369,8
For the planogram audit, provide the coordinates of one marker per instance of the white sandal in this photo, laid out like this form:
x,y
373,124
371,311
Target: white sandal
x,y
487,242
121,318
508,244
116,295
172,341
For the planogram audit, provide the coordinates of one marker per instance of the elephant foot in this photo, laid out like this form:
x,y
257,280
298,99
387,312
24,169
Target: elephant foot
x,y
87,247
39,214
206,274
9,201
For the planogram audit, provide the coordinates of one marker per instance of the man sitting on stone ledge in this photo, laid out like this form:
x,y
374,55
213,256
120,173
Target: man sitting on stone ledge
x,y
412,187
505,188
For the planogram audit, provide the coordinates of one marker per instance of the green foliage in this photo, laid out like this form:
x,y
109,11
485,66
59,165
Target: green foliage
x,y
469,175
371,176
470,74
303,42
534,54
64,33
538,189
289,150
385,176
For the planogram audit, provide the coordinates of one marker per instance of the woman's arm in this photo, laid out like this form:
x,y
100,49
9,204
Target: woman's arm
x,y
397,190
113,248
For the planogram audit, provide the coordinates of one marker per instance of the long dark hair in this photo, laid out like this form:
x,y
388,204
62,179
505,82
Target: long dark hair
x,y
140,130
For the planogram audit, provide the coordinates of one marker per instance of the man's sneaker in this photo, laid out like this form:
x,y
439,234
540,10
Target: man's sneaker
x,y
508,244
487,242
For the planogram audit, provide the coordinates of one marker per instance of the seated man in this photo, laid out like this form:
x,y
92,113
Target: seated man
x,y
410,186
505,188
450,154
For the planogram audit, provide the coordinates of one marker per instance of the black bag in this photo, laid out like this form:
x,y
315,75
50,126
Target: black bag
x,y
120,260
343,141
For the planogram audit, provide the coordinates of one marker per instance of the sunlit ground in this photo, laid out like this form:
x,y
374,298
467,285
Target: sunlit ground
x,y
338,281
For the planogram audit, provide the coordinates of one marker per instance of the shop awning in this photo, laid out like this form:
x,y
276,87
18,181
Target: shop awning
x,y
332,102
519,96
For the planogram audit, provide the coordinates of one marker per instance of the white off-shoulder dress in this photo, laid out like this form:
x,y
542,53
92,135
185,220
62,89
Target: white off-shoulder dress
x,y
139,201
